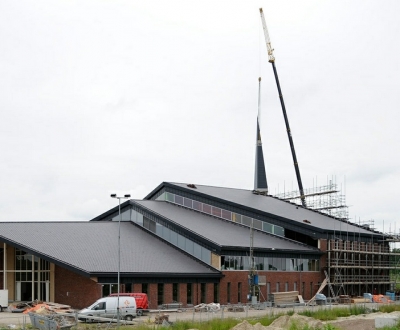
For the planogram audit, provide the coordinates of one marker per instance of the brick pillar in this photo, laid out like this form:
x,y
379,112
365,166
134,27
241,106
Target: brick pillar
x,y
167,293
210,293
136,287
183,293
152,295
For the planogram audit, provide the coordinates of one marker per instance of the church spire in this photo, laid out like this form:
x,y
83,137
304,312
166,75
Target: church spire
x,y
260,178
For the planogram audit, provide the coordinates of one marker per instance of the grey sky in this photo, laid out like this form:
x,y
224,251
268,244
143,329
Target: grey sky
x,y
104,96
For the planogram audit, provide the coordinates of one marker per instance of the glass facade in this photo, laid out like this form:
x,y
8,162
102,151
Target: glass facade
x,y
171,236
270,263
32,277
221,213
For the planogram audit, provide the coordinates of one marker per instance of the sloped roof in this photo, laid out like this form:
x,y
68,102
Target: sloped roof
x,y
271,206
221,232
91,248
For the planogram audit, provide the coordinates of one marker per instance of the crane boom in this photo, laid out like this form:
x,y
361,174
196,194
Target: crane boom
x,y
270,50
271,59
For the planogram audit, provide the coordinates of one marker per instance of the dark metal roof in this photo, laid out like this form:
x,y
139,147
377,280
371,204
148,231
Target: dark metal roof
x,y
270,206
221,232
91,248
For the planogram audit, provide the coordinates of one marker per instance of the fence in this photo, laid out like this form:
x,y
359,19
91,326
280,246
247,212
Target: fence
x,y
241,311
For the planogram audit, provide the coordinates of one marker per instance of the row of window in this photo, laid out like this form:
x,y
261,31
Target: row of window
x,y
269,263
171,236
190,299
221,213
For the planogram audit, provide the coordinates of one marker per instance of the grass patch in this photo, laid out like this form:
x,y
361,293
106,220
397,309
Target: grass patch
x,y
330,314
389,308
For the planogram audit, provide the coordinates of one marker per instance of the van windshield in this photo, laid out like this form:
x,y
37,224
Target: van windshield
x,y
101,305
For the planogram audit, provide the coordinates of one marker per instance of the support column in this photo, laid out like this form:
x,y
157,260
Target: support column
x,y
4,266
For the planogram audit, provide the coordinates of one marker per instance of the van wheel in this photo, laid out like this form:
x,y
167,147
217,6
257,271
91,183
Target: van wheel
x,y
139,312
129,318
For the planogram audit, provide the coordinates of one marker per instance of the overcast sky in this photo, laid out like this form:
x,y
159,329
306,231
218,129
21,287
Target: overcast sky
x,y
119,96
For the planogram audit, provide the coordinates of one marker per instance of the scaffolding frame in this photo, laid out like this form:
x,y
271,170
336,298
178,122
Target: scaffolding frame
x,y
327,199
353,267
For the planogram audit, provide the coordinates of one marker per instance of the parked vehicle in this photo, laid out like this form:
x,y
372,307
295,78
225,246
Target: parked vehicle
x,y
142,302
107,307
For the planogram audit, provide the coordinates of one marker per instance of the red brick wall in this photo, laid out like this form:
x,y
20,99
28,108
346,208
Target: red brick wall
x,y
234,277
323,245
167,293
183,293
75,290
79,291
210,293
152,295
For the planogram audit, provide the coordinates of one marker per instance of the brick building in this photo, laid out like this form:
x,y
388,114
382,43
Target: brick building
x,y
191,244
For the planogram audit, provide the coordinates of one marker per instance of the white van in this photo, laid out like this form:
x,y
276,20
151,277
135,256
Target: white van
x,y
107,307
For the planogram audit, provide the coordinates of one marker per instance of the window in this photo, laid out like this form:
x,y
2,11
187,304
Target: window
x,y
145,288
197,250
216,292
189,293
207,208
175,292
203,293
268,288
286,286
277,287
170,197
279,231
257,224
216,211
160,293
236,218
267,227
239,292
226,215
178,199
228,293
246,221
187,202
197,206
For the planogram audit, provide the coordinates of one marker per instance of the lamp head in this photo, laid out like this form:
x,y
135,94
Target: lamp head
x,y
113,195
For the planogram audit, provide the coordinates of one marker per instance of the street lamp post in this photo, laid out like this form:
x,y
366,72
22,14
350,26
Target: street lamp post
x,y
127,196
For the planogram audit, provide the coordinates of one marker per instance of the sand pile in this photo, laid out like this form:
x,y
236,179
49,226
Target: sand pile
x,y
283,322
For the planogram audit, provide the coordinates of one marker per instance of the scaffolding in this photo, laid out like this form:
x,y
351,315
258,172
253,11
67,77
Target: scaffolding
x,y
353,266
327,199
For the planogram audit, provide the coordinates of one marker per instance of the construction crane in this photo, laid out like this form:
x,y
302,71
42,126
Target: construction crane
x,y
271,59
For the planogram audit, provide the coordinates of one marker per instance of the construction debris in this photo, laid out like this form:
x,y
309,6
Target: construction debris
x,y
39,307
159,319
52,321
211,307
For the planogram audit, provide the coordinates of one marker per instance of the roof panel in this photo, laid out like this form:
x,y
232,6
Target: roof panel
x,y
221,232
92,247
275,206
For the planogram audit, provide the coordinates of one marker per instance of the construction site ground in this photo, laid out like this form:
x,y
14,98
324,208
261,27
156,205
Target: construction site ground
x,y
359,322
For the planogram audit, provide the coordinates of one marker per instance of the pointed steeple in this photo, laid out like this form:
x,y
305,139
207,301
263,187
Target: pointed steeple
x,y
260,178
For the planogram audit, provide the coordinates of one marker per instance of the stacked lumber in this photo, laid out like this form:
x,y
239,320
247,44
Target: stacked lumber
x,y
360,300
278,298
